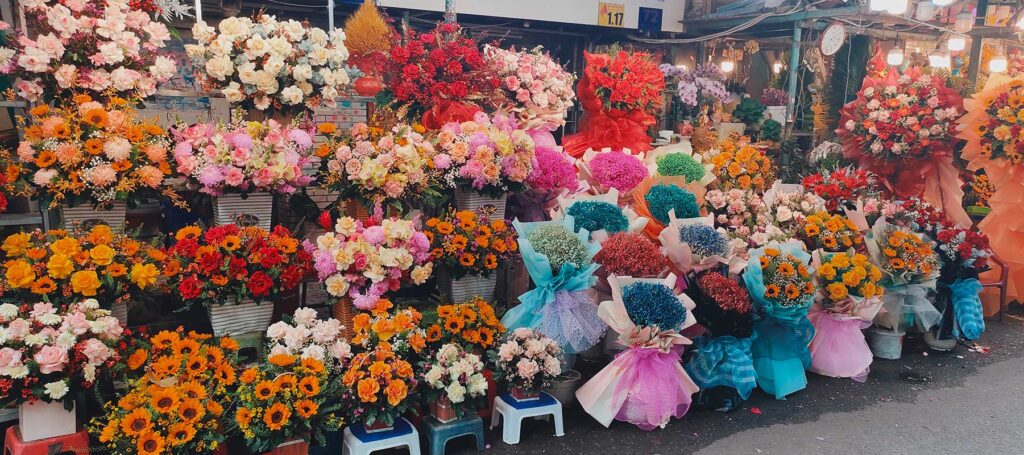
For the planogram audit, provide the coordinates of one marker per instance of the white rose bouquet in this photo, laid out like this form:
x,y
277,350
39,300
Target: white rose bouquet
x,y
270,65
453,380
307,337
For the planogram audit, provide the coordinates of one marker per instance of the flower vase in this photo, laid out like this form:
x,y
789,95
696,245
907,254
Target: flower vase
x,y
524,394
84,216
253,209
563,388
885,343
246,316
378,426
467,199
443,410
293,447
344,310
41,420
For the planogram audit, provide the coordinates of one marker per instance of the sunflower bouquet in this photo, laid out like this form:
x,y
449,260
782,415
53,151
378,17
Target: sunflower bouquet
x,y
910,268
849,283
472,325
285,398
61,268
830,233
470,243
178,390
379,383
397,330
90,152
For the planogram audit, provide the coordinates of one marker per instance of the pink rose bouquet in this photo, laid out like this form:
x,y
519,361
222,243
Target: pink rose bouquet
x,y
490,154
98,47
527,360
744,216
244,158
539,89
364,261
304,336
788,206
50,354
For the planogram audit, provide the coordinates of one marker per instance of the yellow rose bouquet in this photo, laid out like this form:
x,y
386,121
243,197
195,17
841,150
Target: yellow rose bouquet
x,y
62,268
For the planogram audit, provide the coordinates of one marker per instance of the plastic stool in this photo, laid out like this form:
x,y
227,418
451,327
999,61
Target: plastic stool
x,y
440,433
75,442
359,442
514,411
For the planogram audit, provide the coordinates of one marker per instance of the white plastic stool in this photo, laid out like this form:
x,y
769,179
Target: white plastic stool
x,y
359,442
514,411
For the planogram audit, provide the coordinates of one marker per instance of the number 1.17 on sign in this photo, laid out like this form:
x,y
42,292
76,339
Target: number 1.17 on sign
x,y
610,14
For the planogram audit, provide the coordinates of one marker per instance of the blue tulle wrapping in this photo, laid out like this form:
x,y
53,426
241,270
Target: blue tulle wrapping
x,y
966,299
570,279
781,337
723,361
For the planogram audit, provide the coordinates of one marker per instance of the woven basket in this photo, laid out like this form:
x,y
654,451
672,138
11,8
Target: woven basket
x,y
344,311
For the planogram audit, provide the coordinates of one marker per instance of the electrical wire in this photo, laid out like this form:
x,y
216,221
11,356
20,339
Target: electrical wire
x,y
739,28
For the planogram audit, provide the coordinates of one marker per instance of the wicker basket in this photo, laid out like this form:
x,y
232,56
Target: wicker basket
x,y
344,311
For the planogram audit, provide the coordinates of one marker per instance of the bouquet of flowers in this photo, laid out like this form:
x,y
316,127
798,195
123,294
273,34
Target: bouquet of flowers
x,y
839,188
830,233
742,166
472,325
851,294
51,354
60,268
788,206
646,384
553,175
619,93
270,65
661,201
744,217
559,259
469,243
178,388
284,398
229,263
964,253
910,267
364,261
93,152
599,214
689,166
399,331
902,129
698,88
782,285
772,96
376,166
721,364
306,337
538,89
695,245
107,48
526,362
244,157
379,382
609,169
490,155
454,379
440,76
630,254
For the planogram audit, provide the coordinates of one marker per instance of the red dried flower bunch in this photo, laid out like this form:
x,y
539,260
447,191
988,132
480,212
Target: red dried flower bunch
x,y
631,254
438,68
626,80
230,262
838,186
727,293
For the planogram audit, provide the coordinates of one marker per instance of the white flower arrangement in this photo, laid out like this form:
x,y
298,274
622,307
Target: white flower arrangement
x,y
455,374
310,338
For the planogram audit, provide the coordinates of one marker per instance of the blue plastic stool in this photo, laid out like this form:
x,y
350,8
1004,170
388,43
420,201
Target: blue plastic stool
x,y
440,433
359,442
514,411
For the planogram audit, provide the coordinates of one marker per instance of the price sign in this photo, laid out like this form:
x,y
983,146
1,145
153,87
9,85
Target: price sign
x,y
610,14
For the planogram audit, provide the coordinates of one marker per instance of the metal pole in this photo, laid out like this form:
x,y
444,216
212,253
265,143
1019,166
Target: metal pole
x,y
449,11
199,11
330,15
976,45
794,71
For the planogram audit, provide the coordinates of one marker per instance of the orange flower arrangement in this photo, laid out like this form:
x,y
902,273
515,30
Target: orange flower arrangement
x,y
832,233
178,389
904,256
398,331
472,324
470,243
379,383
742,166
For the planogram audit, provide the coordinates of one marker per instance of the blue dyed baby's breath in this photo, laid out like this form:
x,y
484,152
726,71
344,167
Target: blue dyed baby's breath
x,y
704,240
653,305
662,198
597,215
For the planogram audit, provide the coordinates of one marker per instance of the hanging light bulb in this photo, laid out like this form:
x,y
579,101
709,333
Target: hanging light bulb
x,y
939,59
942,3
777,67
1020,22
682,67
878,5
964,22
998,63
925,11
728,66
897,7
895,56
956,43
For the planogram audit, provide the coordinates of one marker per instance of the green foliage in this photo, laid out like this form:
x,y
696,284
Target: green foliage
x,y
749,111
771,130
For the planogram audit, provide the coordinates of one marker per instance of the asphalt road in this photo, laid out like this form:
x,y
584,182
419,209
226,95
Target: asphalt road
x,y
963,402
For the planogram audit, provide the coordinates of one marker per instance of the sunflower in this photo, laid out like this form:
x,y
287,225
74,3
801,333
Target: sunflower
x,y
166,366
281,360
192,389
137,359
120,166
150,444
453,325
45,158
229,343
265,389
164,400
277,416
829,242
771,291
180,433
195,366
243,416
786,269
94,146
491,262
467,259
286,382
191,410
44,285
164,339
486,337
313,365
231,242
434,333
188,232
309,386
225,373
214,407
306,408
137,422
792,291
185,346
445,228
811,230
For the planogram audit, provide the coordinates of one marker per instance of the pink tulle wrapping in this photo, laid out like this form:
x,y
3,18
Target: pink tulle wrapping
x,y
653,387
838,349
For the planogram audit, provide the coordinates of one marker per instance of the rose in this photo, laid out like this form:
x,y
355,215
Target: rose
x,y
190,287
51,359
259,284
96,351
9,358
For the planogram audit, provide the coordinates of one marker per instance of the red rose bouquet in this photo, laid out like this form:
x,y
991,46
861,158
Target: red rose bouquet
x,y
839,186
233,262
441,75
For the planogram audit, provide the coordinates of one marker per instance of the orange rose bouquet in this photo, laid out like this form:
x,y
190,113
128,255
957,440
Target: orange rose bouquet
x,y
178,386
287,398
397,330
742,166
472,325
379,383
62,268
